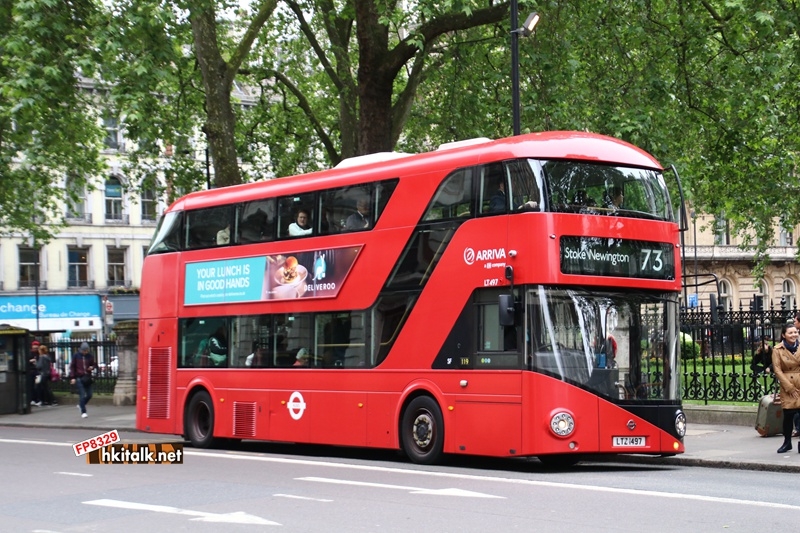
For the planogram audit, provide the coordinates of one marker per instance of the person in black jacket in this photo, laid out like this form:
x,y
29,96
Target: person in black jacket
x,y
80,373
762,358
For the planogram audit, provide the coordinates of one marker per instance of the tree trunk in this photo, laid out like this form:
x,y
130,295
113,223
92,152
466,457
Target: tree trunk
x,y
375,84
217,81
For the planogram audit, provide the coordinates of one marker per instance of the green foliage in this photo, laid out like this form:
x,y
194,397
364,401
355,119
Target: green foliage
x,y
711,87
47,127
689,349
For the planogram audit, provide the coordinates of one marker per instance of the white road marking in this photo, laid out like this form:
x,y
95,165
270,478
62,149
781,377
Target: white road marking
x,y
19,441
295,497
201,516
73,474
412,490
449,475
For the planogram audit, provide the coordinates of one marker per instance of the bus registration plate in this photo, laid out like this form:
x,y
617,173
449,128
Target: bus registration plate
x,y
628,442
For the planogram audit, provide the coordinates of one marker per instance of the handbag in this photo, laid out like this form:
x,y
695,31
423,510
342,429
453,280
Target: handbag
x,y
87,380
54,375
38,379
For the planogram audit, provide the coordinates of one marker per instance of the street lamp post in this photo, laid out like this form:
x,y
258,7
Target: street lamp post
x,y
36,280
526,30
694,231
208,170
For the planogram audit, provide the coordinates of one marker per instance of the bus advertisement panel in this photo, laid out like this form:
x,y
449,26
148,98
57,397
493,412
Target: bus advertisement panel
x,y
315,274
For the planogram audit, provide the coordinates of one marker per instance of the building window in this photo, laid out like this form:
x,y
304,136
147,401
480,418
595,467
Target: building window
x,y
725,295
76,199
113,199
78,275
722,231
29,267
789,295
116,267
149,204
761,298
111,125
786,238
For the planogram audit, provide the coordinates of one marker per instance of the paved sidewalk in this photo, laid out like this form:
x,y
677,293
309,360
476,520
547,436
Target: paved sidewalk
x,y
710,445
102,416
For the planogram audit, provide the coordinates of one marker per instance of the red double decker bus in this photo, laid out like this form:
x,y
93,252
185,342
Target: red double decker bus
x,y
508,298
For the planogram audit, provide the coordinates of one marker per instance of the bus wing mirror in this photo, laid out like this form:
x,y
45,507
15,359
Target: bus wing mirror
x,y
506,307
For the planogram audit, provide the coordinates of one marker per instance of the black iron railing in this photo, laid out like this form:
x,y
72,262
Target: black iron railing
x,y
718,349
105,354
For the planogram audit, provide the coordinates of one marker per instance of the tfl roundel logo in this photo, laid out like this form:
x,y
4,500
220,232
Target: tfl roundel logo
x,y
469,256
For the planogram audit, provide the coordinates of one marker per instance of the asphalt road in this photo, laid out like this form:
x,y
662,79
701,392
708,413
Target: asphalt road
x,y
322,489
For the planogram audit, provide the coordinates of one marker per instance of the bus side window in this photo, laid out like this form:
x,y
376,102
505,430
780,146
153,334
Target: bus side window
x,y
296,216
347,209
256,221
454,197
525,191
333,211
494,189
203,226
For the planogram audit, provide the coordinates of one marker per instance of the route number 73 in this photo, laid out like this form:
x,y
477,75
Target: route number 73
x,y
652,260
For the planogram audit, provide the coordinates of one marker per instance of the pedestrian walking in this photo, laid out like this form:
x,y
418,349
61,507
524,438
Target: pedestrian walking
x,y
43,366
32,372
80,373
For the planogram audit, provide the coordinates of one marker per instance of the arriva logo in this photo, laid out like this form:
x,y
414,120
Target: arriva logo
x,y
470,255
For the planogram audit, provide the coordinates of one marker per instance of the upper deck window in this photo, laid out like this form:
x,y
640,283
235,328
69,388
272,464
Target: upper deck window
x,y
509,186
347,209
256,221
167,237
454,197
578,187
208,227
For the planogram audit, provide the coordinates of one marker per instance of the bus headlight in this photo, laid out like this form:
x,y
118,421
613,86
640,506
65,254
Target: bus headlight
x,y
680,424
562,424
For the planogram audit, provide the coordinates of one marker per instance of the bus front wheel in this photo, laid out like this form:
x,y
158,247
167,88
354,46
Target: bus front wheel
x,y
199,420
422,431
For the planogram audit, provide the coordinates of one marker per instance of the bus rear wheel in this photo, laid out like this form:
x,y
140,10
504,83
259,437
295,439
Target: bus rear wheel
x,y
422,431
199,421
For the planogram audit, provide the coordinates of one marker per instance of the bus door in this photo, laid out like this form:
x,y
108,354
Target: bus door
x,y
490,399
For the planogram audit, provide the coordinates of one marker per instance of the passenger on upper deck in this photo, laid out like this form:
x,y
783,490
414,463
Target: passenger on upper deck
x,y
498,202
224,235
302,225
359,219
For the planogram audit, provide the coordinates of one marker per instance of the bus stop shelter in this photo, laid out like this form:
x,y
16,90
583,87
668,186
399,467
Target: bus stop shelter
x,y
14,351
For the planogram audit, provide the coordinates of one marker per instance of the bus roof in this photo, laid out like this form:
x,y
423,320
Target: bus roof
x,y
573,145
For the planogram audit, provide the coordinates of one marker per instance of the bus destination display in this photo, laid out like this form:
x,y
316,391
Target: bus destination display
x,y
596,256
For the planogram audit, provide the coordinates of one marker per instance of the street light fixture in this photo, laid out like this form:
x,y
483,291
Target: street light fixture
x,y
530,24
526,30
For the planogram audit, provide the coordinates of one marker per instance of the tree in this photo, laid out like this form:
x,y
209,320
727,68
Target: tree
x,y
48,127
372,77
709,86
